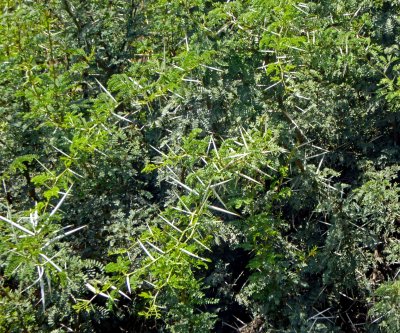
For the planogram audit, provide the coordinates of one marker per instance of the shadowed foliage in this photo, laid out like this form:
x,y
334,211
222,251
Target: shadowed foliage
x,y
195,165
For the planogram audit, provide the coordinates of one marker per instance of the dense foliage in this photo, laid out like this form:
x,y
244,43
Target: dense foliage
x,y
197,165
